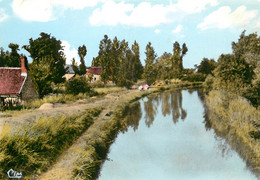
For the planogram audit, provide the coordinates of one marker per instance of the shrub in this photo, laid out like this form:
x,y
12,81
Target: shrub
x,y
194,77
208,83
77,85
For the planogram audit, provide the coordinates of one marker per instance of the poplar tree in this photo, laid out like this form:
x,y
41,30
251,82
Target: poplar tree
x,y
82,51
149,69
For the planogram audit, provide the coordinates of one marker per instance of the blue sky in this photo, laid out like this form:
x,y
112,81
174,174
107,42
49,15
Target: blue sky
x,y
208,27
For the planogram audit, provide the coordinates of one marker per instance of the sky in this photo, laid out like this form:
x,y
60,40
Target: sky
x,y
208,27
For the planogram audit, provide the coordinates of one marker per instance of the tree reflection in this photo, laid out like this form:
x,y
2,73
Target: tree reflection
x,y
166,108
171,102
176,104
150,110
132,118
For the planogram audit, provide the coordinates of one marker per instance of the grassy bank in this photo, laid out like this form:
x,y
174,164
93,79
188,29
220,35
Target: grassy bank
x,y
235,119
101,136
34,148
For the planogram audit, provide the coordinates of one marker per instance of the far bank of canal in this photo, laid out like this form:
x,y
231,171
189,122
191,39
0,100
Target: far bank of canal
x,y
165,137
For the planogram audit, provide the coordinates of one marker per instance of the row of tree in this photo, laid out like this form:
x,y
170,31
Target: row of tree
x,y
120,63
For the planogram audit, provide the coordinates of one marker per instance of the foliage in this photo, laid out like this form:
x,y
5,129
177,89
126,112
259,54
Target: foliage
x,y
194,77
82,51
177,58
77,85
42,75
207,66
149,69
34,148
10,59
75,67
163,66
138,67
47,49
120,64
208,83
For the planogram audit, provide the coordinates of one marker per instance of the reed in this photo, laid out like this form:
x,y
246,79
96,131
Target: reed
x,y
235,119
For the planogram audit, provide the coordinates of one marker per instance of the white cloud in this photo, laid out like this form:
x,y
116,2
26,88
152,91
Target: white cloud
x,y
33,10
3,15
145,14
178,29
76,4
45,10
195,6
70,52
157,31
111,13
224,18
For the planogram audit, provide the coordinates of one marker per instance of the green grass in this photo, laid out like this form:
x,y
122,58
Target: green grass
x,y
34,148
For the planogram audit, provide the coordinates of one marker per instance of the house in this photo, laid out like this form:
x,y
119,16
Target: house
x,y
69,73
95,72
16,85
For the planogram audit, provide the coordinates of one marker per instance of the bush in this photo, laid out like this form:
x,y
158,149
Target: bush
x,y
208,83
194,77
77,85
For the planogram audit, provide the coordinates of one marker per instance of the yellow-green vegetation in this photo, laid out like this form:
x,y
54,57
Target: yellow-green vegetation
x,y
32,149
100,136
106,90
235,119
61,98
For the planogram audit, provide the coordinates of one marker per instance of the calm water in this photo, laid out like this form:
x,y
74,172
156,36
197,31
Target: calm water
x,y
165,138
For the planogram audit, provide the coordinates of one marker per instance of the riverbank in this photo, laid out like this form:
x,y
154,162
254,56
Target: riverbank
x,y
236,120
92,145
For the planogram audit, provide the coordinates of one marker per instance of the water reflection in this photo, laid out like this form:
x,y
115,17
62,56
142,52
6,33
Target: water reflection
x,y
167,151
132,118
171,103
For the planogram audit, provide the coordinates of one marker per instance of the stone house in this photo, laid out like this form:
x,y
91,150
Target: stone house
x,y
16,85
69,72
95,72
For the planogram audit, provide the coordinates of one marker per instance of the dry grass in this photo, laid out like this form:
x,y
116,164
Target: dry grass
x,y
234,118
33,148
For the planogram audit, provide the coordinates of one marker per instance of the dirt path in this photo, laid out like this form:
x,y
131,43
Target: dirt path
x,y
16,119
64,166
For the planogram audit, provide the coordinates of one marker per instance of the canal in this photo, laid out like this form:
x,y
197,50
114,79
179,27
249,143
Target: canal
x,y
165,137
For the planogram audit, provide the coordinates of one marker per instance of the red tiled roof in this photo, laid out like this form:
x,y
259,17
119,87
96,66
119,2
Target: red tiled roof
x,y
94,70
11,81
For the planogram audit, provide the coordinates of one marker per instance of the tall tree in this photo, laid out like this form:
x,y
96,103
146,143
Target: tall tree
x,y
177,59
104,58
164,66
82,51
75,66
46,50
14,56
138,67
232,73
149,69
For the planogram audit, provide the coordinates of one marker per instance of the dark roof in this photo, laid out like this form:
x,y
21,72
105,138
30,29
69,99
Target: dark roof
x,y
70,69
94,70
11,81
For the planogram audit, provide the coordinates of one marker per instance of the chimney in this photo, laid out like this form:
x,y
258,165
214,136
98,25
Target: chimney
x,y
24,71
